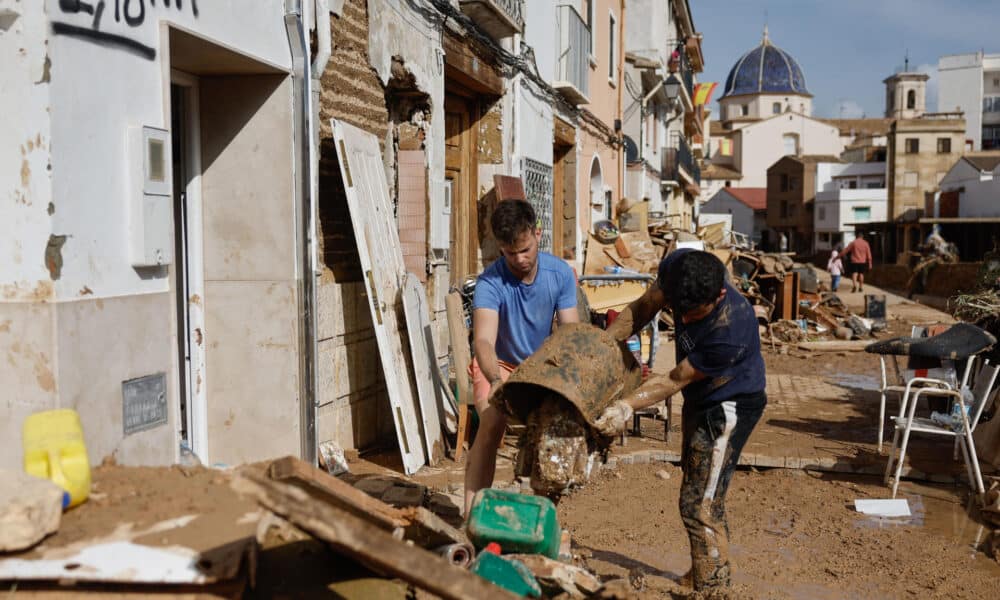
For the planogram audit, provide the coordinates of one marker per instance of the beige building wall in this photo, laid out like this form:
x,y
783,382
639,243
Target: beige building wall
x,y
599,168
913,173
759,145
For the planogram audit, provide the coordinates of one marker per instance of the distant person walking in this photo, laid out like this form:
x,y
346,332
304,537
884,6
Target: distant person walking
x,y
836,267
859,261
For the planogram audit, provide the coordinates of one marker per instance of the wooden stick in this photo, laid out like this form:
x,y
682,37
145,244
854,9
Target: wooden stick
x,y
836,346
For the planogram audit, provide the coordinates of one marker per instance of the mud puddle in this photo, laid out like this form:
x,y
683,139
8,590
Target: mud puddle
x,y
952,518
855,381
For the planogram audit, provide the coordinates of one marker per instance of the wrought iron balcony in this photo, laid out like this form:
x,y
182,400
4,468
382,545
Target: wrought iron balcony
x,y
498,18
573,62
677,162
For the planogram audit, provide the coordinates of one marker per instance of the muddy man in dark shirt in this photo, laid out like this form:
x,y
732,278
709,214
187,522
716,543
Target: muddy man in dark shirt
x,y
720,372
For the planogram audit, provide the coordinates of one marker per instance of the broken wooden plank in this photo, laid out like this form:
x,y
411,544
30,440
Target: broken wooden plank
x,y
835,346
355,537
429,530
458,335
821,316
337,492
424,361
417,523
621,246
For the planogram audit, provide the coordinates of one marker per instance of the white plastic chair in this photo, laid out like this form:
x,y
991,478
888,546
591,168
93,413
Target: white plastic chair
x,y
906,422
944,375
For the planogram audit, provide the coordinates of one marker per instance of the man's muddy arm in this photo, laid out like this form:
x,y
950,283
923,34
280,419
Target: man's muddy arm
x,y
660,387
485,324
635,316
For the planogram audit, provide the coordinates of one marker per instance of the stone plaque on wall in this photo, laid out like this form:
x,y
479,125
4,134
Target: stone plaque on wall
x,y
144,403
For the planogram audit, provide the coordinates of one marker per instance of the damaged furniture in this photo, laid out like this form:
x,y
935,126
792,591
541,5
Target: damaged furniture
x,y
960,342
900,379
960,428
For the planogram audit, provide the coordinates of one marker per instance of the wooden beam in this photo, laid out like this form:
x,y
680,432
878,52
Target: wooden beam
x,y
418,524
330,489
563,132
470,69
353,536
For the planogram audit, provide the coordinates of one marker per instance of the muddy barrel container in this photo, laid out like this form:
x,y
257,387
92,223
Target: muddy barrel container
x,y
579,362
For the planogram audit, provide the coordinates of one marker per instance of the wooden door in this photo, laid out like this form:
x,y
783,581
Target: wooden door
x,y
460,176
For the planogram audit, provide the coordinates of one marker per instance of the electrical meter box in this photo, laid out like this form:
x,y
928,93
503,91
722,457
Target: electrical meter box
x,y
150,196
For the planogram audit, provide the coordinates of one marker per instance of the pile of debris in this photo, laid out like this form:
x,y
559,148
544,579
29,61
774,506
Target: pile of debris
x,y
982,306
396,535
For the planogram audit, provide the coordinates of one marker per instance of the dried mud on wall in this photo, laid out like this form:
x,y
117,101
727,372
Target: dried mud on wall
x,y
351,92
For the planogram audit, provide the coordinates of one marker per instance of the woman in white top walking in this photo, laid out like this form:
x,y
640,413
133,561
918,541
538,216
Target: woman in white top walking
x,y
835,267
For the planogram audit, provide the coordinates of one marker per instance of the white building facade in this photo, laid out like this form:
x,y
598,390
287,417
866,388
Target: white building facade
x,y
847,195
974,183
664,134
970,83
158,210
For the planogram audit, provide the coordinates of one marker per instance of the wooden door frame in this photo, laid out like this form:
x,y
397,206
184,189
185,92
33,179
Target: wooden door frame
x,y
564,142
464,203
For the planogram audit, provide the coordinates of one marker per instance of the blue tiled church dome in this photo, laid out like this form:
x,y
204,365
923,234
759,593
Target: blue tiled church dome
x,y
766,69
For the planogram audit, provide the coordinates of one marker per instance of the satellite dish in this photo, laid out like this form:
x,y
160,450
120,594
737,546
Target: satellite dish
x,y
631,150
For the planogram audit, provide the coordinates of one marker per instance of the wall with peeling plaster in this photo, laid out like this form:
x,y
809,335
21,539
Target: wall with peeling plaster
x,y
27,317
25,139
369,39
76,319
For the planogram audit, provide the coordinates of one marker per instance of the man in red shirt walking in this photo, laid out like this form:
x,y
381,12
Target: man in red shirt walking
x,y
859,260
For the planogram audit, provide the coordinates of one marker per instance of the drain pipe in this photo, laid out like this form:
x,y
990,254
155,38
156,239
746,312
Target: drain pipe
x,y
304,226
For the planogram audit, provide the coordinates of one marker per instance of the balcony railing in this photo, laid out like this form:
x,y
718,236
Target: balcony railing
x,y
499,18
686,73
677,162
573,62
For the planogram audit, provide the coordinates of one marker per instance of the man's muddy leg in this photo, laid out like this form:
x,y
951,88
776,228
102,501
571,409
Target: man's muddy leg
x,y
713,440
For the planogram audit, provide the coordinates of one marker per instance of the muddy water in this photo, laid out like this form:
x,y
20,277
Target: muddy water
x,y
944,515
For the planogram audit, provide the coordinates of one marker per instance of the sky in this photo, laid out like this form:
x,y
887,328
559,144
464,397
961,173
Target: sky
x,y
846,48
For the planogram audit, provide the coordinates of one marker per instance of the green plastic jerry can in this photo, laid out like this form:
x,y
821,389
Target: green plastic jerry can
x,y
509,574
519,523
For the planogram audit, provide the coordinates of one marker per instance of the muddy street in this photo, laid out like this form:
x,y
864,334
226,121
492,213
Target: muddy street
x,y
794,534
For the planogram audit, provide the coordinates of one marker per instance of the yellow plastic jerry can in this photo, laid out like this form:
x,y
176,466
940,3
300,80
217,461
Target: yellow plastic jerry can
x,y
54,449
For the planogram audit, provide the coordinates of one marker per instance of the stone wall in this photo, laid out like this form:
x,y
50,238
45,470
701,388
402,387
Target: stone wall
x,y
944,280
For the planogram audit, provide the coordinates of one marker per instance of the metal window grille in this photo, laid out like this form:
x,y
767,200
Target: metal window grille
x,y
538,190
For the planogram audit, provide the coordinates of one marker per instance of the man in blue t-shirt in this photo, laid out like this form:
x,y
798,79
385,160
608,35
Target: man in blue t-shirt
x,y
720,371
516,299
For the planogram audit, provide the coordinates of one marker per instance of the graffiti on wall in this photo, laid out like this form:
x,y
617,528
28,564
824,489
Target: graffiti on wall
x,y
131,13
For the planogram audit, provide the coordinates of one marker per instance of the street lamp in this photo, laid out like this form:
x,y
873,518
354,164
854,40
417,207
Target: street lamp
x,y
672,88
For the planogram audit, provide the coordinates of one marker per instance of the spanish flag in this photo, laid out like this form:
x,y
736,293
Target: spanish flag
x,y
703,93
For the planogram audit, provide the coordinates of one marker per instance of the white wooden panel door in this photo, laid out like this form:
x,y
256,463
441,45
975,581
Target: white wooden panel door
x,y
382,264
418,328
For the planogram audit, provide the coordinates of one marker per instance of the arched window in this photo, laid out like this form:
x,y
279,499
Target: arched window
x,y
911,99
776,108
